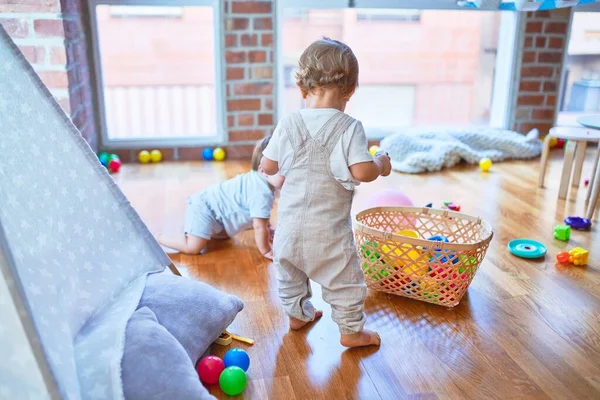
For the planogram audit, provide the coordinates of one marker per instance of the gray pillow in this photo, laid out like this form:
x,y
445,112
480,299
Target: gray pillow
x,y
193,312
154,365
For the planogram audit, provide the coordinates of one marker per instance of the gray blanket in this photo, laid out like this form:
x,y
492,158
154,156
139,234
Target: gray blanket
x,y
415,150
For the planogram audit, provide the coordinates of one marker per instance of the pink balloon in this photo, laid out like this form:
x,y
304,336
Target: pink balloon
x,y
389,198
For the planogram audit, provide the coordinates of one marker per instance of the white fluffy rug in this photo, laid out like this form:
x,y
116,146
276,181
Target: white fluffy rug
x,y
416,150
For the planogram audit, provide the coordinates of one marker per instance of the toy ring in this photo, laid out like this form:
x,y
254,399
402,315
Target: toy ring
x,y
578,223
526,248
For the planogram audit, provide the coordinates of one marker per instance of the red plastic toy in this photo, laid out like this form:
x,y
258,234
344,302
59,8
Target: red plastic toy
x,y
563,257
209,369
114,165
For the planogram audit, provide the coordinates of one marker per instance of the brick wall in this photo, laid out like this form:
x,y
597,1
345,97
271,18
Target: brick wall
x,y
249,69
545,42
44,32
37,28
78,53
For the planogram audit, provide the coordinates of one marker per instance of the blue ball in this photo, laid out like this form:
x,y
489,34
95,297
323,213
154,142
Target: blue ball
x,y
237,358
207,154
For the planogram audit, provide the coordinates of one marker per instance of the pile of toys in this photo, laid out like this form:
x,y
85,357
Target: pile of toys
x,y
110,161
527,248
154,156
229,372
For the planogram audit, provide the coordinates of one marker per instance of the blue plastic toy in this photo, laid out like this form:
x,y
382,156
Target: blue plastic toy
x,y
207,154
237,358
526,248
581,224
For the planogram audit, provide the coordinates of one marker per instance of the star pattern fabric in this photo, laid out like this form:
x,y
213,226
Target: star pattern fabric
x,y
81,252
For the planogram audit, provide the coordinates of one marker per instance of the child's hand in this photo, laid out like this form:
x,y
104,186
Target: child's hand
x,y
386,165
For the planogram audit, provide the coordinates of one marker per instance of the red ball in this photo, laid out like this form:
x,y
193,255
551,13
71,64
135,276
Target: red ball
x,y
563,257
114,165
209,369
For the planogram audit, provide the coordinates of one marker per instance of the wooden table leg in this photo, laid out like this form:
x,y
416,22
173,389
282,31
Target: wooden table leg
x,y
544,161
579,157
595,191
565,178
591,183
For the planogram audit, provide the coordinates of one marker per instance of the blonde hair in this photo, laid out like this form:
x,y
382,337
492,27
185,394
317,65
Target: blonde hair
x,y
327,63
257,154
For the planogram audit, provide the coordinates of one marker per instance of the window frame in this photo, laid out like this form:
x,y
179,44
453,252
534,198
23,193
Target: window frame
x,y
587,8
505,86
219,137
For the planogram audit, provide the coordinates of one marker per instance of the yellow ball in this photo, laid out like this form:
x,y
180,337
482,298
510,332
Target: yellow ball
x,y
155,156
485,164
144,157
219,154
553,142
373,149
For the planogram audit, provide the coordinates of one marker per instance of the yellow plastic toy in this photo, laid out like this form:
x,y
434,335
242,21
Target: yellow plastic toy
x,y
219,154
420,268
373,149
144,157
578,256
155,156
485,164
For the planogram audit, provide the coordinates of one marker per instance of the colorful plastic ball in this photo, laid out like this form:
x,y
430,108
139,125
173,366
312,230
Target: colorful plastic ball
x,y
209,369
155,156
485,164
237,358
373,149
114,165
207,154
553,142
389,198
104,158
233,380
219,154
144,157
563,257
113,157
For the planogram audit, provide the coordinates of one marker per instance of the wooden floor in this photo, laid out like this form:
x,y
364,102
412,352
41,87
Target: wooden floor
x,y
525,329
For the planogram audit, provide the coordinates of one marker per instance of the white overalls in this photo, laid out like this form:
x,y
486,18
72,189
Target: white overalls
x,y
314,229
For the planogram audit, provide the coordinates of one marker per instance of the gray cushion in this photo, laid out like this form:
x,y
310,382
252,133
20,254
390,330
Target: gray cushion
x,y
154,365
193,312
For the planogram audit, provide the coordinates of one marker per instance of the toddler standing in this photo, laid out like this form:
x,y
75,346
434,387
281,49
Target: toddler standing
x,y
322,153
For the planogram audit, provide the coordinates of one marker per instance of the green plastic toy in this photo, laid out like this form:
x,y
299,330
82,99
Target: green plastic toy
x,y
562,232
233,380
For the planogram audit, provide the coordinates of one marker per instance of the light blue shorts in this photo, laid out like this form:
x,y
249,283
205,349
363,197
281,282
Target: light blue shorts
x,y
200,219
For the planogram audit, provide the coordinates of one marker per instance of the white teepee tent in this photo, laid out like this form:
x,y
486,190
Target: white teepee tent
x,y
74,255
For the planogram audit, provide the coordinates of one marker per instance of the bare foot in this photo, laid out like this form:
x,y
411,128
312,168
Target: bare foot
x,y
362,338
296,324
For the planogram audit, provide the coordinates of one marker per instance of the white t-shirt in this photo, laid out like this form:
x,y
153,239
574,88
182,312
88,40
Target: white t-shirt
x,y
351,149
237,201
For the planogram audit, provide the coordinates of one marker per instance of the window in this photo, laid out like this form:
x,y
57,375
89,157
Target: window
x,y
581,79
157,72
417,67
388,15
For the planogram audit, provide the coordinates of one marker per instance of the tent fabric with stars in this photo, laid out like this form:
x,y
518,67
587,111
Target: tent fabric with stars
x,y
61,329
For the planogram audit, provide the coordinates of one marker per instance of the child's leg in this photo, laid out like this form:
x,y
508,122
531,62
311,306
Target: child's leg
x,y
295,294
185,243
345,291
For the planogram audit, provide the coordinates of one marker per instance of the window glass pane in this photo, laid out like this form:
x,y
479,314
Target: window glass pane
x,y
158,70
417,67
581,86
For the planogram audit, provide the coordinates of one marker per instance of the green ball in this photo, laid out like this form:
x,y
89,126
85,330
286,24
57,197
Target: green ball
x,y
104,158
233,380
113,157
